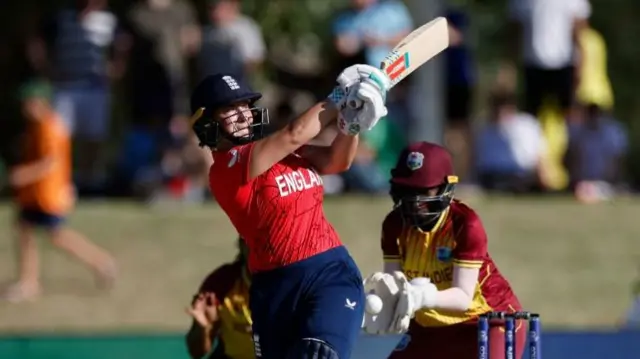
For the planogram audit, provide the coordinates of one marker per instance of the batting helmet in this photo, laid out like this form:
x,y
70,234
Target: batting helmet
x,y
219,91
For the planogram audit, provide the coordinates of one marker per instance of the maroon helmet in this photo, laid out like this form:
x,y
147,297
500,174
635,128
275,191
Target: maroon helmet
x,y
423,183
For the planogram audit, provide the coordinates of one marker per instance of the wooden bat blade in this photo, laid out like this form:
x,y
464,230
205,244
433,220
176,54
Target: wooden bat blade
x,y
420,46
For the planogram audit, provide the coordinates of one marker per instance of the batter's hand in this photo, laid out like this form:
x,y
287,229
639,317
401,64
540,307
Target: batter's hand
x,y
360,96
204,309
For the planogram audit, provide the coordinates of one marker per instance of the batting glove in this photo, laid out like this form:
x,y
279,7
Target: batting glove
x,y
360,95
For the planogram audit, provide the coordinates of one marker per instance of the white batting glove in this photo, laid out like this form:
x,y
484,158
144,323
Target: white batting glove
x,y
364,108
371,75
360,96
417,294
384,286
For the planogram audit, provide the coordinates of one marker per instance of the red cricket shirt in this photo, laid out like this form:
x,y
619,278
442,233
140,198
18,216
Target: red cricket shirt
x,y
278,213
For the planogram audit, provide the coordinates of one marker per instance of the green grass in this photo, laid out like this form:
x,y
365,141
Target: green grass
x,y
574,264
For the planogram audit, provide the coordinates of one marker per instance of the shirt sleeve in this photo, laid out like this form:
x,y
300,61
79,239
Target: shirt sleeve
x,y
391,228
537,134
232,167
252,46
343,24
471,242
399,17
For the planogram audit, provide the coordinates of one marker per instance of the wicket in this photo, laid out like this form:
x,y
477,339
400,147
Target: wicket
x,y
509,333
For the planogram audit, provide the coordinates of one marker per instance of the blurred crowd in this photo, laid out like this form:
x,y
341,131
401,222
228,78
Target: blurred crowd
x,y
547,124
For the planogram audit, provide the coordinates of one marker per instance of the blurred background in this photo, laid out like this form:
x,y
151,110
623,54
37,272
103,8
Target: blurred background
x,y
536,99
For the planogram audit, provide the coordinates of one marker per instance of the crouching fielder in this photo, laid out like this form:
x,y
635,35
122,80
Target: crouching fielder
x,y
438,276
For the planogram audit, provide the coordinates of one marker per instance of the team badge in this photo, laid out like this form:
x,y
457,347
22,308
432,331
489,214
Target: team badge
x,y
234,158
403,344
414,160
231,82
443,254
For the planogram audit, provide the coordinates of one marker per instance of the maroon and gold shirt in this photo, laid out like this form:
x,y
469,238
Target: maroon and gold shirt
x,y
458,239
230,284
278,213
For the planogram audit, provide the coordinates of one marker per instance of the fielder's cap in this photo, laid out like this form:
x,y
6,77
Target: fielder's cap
x,y
221,90
35,89
423,165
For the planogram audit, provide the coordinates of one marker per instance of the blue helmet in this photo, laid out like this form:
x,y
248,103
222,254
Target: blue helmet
x,y
218,91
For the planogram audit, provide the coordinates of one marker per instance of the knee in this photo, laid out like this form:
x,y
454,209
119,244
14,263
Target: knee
x,y
309,348
56,236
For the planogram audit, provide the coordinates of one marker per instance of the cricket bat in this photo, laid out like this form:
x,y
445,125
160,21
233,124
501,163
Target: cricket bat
x,y
420,46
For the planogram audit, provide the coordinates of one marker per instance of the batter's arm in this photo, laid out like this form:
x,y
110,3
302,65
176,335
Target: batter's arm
x,y
335,158
270,150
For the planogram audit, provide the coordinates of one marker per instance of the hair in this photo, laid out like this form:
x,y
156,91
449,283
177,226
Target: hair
x,y
593,110
241,256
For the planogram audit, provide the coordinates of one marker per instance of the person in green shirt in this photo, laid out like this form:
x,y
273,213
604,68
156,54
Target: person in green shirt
x,y
377,154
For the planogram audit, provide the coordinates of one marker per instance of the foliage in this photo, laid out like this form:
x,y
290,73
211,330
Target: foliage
x,y
616,20
297,25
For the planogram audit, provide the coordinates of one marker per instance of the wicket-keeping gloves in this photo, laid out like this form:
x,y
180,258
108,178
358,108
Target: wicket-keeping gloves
x,y
417,294
360,95
384,286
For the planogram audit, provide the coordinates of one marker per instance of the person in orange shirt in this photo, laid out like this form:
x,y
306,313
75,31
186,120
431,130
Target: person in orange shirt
x,y
44,195
220,312
436,258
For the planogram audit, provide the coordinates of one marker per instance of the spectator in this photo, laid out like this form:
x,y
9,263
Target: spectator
x,y
595,85
45,195
595,154
73,48
232,42
185,167
373,28
373,25
460,81
547,33
510,149
365,175
165,35
377,154
595,100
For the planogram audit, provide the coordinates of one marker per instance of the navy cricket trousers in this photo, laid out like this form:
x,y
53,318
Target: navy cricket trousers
x,y
321,297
